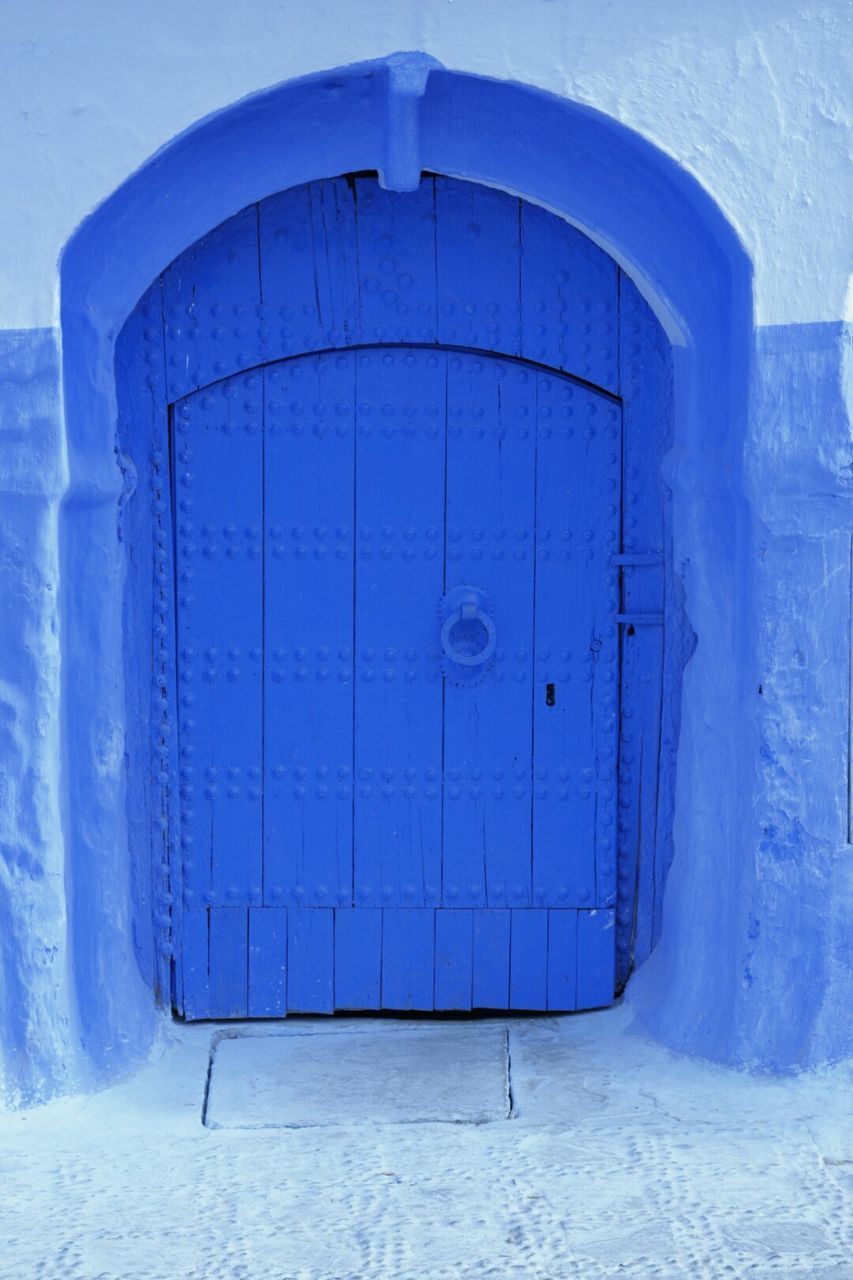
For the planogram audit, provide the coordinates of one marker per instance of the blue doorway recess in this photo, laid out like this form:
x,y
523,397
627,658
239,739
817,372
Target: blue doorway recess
x,y
415,546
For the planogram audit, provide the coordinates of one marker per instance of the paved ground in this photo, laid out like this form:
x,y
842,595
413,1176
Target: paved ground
x,y
618,1160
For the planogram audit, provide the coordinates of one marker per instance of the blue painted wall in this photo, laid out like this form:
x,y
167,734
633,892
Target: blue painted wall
x,y
777,953
752,964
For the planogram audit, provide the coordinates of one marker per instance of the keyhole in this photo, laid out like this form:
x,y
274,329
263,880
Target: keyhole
x,y
550,695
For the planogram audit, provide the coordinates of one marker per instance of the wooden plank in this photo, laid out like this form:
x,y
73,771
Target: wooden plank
x,y
195,964
336,282
491,946
358,958
487,720
596,958
310,960
453,959
211,295
396,261
528,984
408,953
309,266
398,701
562,960
229,979
267,962
639,757
477,248
576,638
288,266
569,299
218,461
308,628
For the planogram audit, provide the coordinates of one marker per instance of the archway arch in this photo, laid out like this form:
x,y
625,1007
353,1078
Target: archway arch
x,y
399,116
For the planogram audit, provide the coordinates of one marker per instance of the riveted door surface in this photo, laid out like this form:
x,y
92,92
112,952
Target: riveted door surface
x,y
398,685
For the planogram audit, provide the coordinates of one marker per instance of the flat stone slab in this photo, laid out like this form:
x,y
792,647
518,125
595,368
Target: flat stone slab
x,y
400,1075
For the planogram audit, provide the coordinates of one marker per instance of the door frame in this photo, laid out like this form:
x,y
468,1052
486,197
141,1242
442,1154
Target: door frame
x,y
395,115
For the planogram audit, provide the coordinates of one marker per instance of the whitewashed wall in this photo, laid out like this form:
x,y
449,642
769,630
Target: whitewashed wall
x,y
750,96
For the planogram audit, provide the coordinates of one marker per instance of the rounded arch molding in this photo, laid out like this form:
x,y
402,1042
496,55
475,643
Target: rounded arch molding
x,y
399,116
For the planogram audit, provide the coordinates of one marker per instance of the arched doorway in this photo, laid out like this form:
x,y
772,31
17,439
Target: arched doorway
x,y
406,454
670,238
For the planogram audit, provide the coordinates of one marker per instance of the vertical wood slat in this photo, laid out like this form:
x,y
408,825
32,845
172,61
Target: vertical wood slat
x,y
267,962
336,260
358,958
408,958
477,241
528,982
310,960
308,631
596,958
396,259
211,295
308,266
576,637
399,516
229,947
218,463
453,959
195,963
569,299
562,960
491,946
487,721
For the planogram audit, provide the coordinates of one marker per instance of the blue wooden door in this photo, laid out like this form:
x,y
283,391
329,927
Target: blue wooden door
x,y
398,674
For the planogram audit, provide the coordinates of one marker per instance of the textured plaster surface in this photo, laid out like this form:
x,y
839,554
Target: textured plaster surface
x,y
619,1160
790,887
749,97
35,1035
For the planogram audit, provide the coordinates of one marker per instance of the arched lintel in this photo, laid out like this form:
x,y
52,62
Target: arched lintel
x,y
397,118
637,203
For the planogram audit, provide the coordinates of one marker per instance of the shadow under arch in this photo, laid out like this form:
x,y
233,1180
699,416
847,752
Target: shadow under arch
x,y
400,115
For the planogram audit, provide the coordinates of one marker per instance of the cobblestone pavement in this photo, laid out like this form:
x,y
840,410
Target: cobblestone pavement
x,y
618,1160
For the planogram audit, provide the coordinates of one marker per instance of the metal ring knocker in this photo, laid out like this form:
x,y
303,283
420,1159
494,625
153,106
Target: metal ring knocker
x,y
469,609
